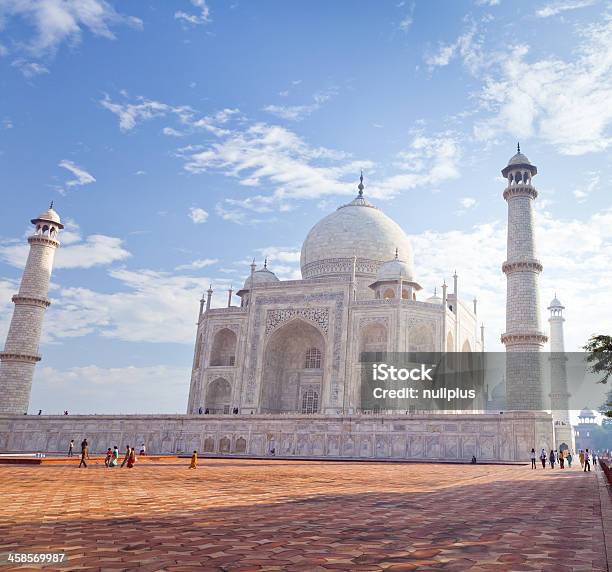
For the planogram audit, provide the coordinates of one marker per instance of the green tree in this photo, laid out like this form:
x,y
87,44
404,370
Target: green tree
x,y
599,348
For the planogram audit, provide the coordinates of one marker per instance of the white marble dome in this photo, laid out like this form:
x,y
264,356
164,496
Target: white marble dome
x,y
259,277
357,229
519,159
49,215
393,270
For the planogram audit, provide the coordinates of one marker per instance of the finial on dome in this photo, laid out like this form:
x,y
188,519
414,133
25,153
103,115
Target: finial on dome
x,y
51,205
360,186
266,262
435,290
518,147
396,253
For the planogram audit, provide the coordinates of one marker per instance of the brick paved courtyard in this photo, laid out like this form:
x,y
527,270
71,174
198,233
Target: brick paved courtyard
x,y
288,515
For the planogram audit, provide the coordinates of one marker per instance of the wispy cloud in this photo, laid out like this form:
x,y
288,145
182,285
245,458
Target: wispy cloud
x,y
299,112
202,17
198,264
564,102
82,177
198,215
554,8
55,22
29,69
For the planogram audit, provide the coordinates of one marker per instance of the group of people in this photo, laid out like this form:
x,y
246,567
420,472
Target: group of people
x,y
112,455
562,457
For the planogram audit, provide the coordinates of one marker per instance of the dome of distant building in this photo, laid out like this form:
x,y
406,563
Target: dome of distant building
x,y
259,277
586,412
357,229
393,270
435,299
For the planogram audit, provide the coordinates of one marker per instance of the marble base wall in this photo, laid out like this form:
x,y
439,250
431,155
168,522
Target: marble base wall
x,y
500,437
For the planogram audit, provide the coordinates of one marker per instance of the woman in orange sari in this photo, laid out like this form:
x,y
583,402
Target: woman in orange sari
x,y
131,458
194,460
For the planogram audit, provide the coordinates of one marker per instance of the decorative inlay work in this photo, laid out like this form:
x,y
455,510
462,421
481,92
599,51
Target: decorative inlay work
x,y
340,266
533,265
16,356
521,191
519,338
337,298
318,316
31,301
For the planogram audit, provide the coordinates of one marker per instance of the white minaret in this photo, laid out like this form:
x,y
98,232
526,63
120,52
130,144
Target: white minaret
x,y
20,353
523,335
559,396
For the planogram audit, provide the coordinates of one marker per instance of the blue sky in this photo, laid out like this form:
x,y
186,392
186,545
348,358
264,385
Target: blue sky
x,y
181,139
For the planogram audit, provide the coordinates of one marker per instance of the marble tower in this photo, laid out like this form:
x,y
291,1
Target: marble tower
x,y
523,338
20,354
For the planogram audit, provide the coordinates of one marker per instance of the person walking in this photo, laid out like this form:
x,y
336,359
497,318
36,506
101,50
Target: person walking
x,y
543,458
131,458
533,459
552,458
71,448
561,460
107,459
194,460
143,450
115,457
587,461
569,459
84,453
581,458
127,456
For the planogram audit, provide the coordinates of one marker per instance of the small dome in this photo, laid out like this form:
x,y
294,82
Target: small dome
x,y
435,299
586,412
519,159
49,215
260,277
392,270
555,303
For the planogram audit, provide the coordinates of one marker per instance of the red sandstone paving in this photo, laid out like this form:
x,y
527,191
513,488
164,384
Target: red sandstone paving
x,y
247,515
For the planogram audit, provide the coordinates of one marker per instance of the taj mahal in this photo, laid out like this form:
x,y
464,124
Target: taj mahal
x,y
279,369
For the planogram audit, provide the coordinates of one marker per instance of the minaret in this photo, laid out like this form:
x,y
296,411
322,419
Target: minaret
x,y
559,396
20,353
522,269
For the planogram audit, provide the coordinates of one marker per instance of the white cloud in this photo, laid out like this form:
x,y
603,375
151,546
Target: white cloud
x,y
468,46
198,264
592,183
575,254
565,103
198,215
202,17
488,2
55,22
7,123
29,69
75,252
554,8
82,177
150,307
299,112
466,203
120,390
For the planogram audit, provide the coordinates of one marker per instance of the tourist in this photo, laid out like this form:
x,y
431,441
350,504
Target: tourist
x,y
84,453
127,456
70,448
109,454
569,459
143,450
40,411
552,458
194,460
561,460
131,458
594,460
533,459
199,411
115,457
473,459
587,462
543,458
206,411
581,458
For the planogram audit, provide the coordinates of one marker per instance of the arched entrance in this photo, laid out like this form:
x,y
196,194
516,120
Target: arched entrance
x,y
294,361
218,396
